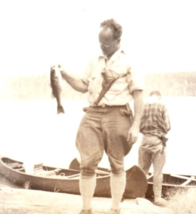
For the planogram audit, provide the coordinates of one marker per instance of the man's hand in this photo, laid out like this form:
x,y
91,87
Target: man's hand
x,y
62,69
133,134
73,80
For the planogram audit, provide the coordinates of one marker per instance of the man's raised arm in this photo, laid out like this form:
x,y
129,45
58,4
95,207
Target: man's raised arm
x,y
74,81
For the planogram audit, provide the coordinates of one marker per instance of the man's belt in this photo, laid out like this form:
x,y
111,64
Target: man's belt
x,y
125,109
108,106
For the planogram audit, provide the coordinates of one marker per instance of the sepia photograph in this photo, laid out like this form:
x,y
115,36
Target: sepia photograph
x,y
97,107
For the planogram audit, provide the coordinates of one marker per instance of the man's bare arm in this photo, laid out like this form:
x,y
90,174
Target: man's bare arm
x,y
74,81
138,108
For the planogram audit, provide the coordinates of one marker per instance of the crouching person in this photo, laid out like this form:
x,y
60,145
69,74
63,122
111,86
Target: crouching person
x,y
155,124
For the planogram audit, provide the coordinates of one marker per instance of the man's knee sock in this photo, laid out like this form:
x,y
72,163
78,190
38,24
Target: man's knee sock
x,y
157,185
87,188
157,192
117,184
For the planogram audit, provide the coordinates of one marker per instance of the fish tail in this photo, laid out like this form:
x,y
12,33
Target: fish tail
x,y
60,109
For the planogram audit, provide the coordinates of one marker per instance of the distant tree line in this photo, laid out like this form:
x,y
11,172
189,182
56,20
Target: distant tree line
x,y
172,83
38,87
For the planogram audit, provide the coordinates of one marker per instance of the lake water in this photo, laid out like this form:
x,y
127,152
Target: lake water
x,y
33,132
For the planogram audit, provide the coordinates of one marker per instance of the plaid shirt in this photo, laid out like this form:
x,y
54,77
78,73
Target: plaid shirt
x,y
155,120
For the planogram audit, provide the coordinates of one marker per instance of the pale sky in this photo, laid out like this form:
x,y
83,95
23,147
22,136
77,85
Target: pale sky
x,y
158,35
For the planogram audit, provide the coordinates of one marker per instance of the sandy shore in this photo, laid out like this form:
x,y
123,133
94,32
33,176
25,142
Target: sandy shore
x,y
21,201
17,200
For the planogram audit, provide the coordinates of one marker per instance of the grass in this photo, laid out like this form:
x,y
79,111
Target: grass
x,y
171,83
182,201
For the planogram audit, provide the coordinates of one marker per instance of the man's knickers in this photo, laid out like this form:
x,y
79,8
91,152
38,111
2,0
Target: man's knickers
x,y
151,152
104,128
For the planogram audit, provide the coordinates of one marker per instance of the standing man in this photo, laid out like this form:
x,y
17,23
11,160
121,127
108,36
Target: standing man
x,y
154,126
107,125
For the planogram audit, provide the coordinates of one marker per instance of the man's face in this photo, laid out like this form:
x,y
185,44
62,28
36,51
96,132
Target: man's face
x,y
107,42
154,98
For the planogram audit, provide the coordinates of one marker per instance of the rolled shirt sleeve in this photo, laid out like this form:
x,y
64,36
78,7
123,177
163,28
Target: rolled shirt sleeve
x,y
86,76
135,79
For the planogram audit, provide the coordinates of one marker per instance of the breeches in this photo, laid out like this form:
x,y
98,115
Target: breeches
x,y
103,129
151,152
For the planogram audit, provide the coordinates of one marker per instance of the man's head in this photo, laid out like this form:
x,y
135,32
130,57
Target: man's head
x,y
109,37
155,96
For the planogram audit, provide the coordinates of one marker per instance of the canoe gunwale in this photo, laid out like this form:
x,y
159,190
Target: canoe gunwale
x,y
35,175
174,177
174,186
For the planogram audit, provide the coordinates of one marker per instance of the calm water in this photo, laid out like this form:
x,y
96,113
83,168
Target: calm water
x,y
32,131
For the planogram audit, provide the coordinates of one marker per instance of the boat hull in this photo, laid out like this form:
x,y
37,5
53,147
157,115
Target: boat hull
x,y
170,185
136,181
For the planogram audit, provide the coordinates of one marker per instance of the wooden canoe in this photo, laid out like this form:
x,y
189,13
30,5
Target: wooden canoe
x,y
67,180
171,183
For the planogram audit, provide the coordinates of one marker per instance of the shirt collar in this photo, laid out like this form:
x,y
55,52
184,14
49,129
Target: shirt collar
x,y
114,56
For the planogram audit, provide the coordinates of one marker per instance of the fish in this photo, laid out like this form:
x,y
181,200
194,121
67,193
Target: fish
x,y
56,81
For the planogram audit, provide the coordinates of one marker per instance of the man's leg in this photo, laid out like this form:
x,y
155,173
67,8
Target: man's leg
x,y
115,130
144,156
117,184
87,188
90,145
159,159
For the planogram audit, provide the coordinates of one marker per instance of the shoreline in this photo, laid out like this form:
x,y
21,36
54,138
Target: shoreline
x,y
22,201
